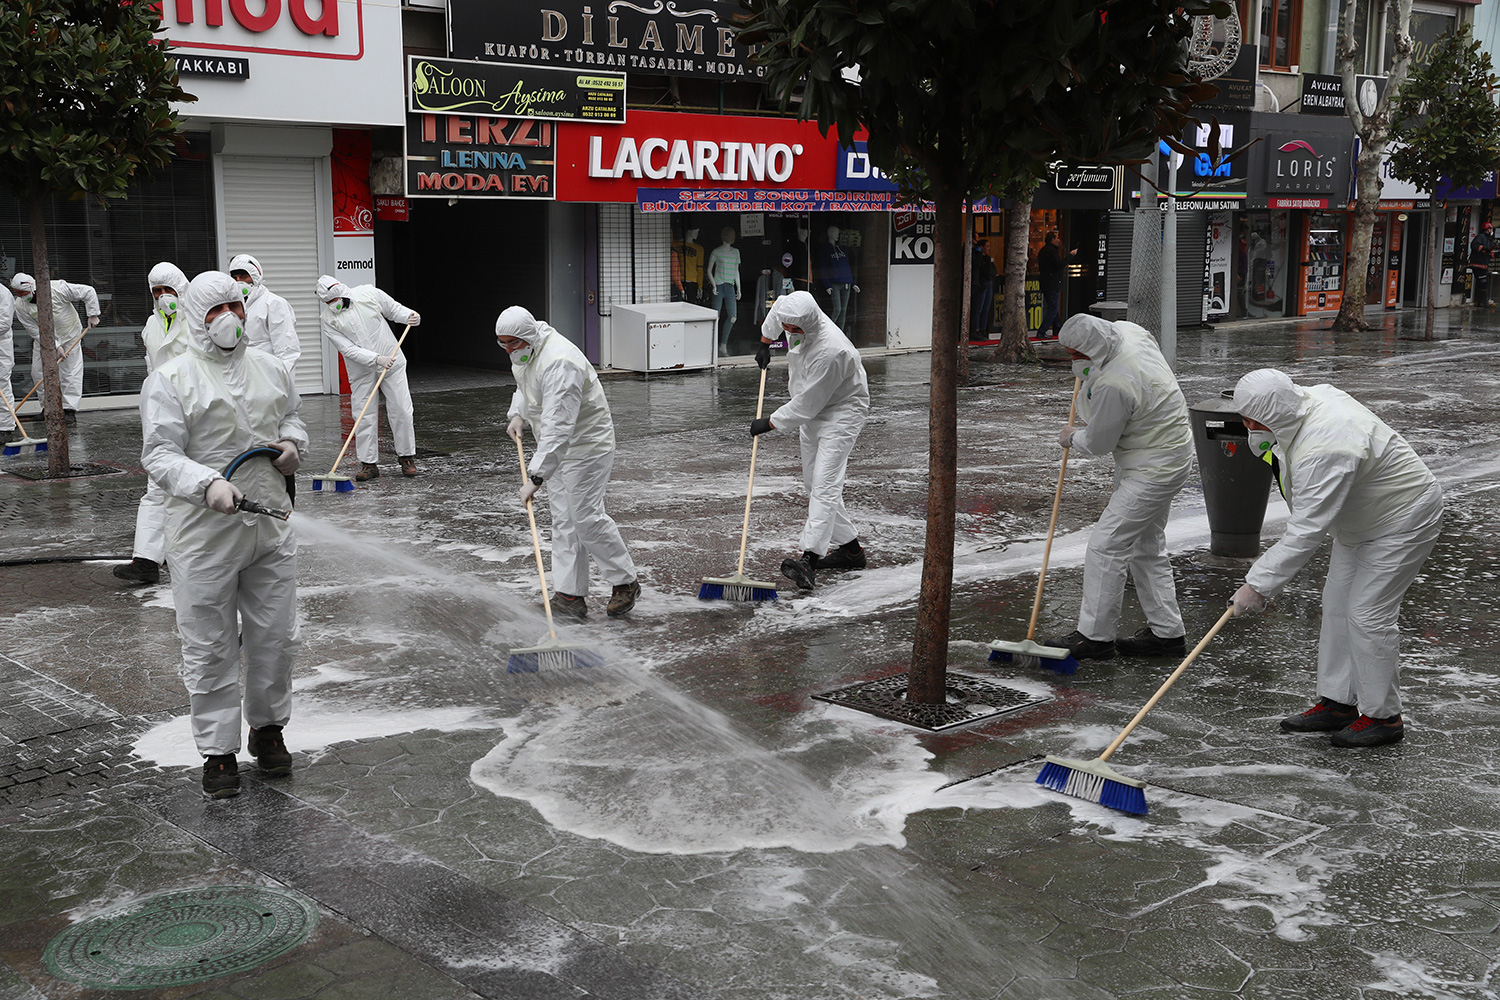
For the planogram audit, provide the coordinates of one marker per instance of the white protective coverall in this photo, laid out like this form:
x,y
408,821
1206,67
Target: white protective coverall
x,y
1133,407
165,336
559,396
7,359
1345,474
361,335
829,404
199,411
270,321
67,327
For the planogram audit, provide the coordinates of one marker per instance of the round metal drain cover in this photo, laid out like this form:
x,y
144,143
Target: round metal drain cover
x,y
187,936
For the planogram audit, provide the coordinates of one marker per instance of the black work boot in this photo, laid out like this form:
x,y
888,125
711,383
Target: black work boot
x,y
269,750
846,556
1147,643
569,606
623,598
1327,716
800,570
1370,732
1082,647
221,776
367,471
139,570
408,464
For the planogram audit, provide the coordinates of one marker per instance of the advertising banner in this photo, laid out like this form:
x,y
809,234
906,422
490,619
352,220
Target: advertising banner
x,y
461,87
1217,284
459,156
691,39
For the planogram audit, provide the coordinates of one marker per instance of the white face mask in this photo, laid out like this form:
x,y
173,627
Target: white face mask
x,y
1260,443
226,330
337,305
521,355
1081,369
167,306
245,290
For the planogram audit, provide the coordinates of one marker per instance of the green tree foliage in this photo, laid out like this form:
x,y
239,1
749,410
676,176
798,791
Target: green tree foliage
x,y
1447,124
964,98
86,94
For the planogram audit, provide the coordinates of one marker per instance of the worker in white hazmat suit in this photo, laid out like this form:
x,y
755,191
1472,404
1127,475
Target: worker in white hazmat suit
x,y
1345,475
830,400
165,336
234,575
8,428
354,321
67,330
559,397
1134,410
270,321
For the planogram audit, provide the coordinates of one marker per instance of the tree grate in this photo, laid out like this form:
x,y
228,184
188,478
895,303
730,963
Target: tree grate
x,y
970,699
38,470
187,936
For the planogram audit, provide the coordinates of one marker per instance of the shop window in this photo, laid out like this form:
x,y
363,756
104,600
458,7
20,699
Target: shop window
x,y
1280,34
112,246
633,256
1429,23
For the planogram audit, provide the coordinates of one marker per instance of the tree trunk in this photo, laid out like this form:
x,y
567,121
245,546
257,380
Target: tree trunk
x,y
1435,267
1014,345
928,680
1357,262
52,401
966,324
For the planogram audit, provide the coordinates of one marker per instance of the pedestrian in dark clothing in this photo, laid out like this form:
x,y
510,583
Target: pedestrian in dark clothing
x,y
982,284
1479,261
1049,260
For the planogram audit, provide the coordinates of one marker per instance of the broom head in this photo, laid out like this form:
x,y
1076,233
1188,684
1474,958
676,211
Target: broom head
x,y
1026,653
25,446
738,587
1094,781
333,484
552,654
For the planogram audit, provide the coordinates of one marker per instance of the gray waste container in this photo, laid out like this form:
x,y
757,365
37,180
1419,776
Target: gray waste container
x,y
1109,310
1236,484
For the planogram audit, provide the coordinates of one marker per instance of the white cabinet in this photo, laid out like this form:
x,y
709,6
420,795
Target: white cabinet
x,y
663,336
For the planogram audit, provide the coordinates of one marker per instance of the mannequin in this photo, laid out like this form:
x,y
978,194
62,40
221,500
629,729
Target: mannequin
x,y
724,278
837,277
687,267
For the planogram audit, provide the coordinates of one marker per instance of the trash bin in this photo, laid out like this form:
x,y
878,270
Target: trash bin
x,y
1236,484
1110,310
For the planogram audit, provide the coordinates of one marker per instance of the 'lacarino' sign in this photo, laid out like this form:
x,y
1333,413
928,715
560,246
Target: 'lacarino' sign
x,y
461,87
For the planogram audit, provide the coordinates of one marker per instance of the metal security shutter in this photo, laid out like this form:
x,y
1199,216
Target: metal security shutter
x,y
1117,269
1192,253
271,213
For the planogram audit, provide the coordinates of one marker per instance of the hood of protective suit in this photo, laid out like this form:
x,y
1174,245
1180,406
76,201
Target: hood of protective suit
x,y
1088,334
22,283
248,264
168,274
517,321
209,289
801,310
330,289
1270,397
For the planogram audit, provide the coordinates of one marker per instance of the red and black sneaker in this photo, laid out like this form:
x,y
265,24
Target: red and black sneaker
x,y
1326,716
1368,732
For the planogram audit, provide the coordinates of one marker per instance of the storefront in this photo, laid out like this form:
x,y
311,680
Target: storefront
x,y
262,168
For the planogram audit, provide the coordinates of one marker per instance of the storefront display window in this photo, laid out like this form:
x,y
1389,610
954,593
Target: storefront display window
x,y
1323,263
1261,264
112,246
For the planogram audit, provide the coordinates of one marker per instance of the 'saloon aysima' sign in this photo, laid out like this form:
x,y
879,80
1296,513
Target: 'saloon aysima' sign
x,y
457,87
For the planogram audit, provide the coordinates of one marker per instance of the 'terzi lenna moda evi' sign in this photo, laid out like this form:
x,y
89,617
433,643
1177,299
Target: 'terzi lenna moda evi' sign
x,y
459,87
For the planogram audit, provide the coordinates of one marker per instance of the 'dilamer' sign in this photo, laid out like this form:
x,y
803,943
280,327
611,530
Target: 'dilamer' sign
x,y
460,87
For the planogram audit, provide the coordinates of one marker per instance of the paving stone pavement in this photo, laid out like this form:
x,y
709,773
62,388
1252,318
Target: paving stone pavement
x,y
688,821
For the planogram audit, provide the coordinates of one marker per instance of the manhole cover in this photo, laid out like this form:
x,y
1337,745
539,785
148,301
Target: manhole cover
x,y
970,699
38,470
175,938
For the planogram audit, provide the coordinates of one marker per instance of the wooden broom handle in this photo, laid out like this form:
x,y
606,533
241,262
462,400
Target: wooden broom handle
x,y
76,341
750,489
1223,619
1036,605
373,393
536,540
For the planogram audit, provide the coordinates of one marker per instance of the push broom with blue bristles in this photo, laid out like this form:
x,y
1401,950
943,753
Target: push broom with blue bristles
x,y
1028,652
27,445
1094,780
551,653
333,482
740,587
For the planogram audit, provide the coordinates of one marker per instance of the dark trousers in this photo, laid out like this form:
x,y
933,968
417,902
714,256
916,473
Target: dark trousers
x,y
1481,286
1051,311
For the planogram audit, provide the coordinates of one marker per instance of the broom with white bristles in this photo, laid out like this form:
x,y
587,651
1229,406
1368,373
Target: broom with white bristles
x,y
1094,780
740,587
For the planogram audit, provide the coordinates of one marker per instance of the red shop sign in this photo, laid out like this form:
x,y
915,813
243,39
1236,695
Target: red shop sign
x,y
656,149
